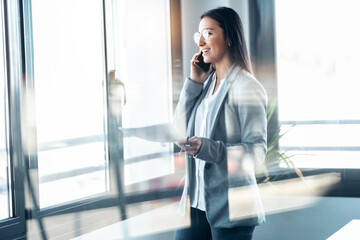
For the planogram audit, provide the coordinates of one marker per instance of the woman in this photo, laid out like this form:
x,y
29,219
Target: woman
x,y
223,112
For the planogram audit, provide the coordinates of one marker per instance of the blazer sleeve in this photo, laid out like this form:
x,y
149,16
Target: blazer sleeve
x,y
188,96
252,108
250,102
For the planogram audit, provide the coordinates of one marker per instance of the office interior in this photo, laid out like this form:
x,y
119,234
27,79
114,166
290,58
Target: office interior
x,y
75,71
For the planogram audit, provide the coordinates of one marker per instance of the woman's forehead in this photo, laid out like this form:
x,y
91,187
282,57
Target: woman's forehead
x,y
208,23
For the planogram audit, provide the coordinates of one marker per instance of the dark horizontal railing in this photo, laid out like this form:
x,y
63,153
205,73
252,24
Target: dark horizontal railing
x,y
92,169
71,142
53,145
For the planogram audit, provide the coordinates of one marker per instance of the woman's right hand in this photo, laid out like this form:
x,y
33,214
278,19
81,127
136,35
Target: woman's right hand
x,y
196,74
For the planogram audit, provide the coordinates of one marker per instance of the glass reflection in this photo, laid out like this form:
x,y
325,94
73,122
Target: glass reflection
x,y
280,196
142,41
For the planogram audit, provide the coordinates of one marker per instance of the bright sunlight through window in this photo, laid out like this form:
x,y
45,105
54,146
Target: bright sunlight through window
x,y
318,58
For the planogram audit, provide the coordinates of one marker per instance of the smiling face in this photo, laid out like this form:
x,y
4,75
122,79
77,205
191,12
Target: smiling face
x,y
215,48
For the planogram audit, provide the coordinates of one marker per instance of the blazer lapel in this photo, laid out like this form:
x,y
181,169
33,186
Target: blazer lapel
x,y
231,76
233,72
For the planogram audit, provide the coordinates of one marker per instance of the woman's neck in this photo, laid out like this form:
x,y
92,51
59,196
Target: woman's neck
x,y
222,68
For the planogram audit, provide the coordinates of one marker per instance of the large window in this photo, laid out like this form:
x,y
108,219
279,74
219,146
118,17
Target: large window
x,y
69,79
317,65
88,74
73,72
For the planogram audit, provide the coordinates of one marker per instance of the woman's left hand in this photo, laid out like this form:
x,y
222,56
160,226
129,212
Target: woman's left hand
x,y
192,146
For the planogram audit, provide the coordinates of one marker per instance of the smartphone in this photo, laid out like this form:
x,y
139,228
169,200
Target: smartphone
x,y
201,64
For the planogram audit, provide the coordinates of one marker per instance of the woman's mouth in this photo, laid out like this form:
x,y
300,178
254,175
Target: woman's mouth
x,y
204,51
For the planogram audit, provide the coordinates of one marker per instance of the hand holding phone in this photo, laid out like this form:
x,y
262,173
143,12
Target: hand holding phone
x,y
199,69
201,64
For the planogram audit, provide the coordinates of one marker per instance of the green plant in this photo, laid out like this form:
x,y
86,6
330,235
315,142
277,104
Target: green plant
x,y
274,157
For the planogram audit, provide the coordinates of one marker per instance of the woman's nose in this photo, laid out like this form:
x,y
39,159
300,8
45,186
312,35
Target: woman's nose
x,y
201,41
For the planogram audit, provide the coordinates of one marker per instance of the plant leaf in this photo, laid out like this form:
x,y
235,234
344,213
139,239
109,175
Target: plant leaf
x,y
271,109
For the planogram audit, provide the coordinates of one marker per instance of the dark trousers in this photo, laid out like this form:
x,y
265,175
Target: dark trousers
x,y
200,229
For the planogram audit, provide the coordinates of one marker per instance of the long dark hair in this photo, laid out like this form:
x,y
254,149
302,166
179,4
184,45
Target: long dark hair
x,y
232,27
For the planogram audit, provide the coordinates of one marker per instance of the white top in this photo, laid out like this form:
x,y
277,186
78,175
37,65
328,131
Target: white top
x,y
204,111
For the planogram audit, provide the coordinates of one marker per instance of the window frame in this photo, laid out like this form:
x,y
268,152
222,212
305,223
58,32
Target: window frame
x,y
14,226
263,56
23,158
115,155
33,210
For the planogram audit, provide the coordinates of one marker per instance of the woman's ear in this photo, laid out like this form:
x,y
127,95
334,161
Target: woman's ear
x,y
228,42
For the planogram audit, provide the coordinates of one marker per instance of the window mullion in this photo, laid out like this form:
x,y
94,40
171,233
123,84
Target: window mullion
x,y
15,225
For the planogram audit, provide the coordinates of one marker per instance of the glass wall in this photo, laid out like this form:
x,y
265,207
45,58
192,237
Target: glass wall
x,y
93,72
317,60
69,79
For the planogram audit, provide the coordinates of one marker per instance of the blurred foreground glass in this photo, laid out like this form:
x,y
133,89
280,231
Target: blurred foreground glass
x,y
69,93
145,68
317,67
5,207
